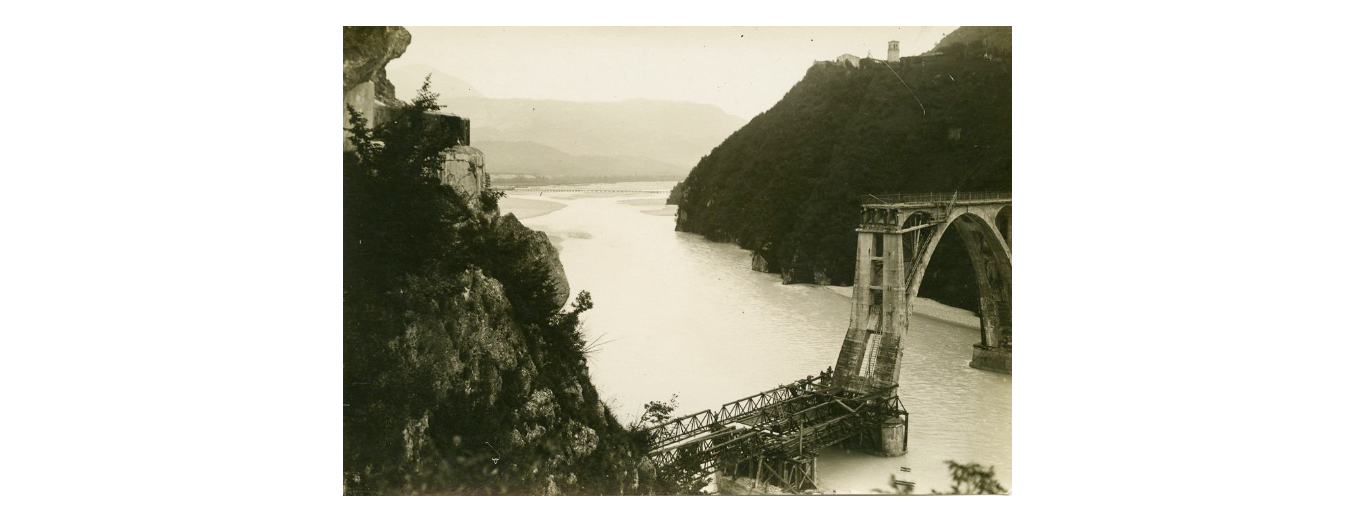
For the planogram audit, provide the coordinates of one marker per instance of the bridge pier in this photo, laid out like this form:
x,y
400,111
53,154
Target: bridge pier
x,y
888,438
992,359
896,239
893,437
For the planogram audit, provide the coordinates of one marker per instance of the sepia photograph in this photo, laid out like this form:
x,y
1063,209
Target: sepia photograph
x,y
677,261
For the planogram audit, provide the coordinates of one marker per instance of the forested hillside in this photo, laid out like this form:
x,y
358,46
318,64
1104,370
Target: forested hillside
x,y
788,184
993,40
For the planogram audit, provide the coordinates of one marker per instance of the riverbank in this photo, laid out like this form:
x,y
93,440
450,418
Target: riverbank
x,y
928,308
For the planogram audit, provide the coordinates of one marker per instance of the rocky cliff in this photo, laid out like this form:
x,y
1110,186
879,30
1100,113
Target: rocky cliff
x,y
385,91
536,253
468,399
367,50
463,374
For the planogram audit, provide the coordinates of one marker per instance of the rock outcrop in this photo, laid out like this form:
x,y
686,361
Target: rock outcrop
x,y
484,381
385,91
367,50
464,171
462,372
759,262
536,251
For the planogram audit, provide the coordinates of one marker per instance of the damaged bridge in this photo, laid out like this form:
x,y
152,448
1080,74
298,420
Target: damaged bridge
x,y
895,241
774,436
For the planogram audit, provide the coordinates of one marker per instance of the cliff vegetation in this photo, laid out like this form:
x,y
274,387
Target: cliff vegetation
x,y
464,372
995,41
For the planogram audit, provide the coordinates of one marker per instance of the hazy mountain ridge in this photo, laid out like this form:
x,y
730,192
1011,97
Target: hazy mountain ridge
x,y
528,157
669,131
409,77
673,132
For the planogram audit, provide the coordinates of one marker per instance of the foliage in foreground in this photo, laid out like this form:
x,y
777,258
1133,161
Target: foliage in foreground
x,y
681,478
460,375
968,479
972,479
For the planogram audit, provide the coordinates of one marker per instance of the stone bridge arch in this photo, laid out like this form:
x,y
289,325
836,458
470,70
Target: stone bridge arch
x,y
895,244
978,228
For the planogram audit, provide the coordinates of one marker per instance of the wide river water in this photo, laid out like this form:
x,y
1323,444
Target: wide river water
x,y
678,314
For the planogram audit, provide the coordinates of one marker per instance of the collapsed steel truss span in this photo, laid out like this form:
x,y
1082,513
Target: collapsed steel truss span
x,y
779,430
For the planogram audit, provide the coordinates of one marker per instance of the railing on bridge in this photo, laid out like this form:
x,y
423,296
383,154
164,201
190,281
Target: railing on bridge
x,y
790,422
934,198
681,428
774,431
741,408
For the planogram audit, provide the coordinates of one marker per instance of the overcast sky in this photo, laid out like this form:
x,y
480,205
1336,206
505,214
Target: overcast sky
x,y
743,70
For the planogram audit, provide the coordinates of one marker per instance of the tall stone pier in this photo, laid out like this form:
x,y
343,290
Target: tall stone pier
x,y
894,243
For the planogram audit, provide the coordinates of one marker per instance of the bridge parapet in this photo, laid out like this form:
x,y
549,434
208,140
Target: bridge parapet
x,y
934,198
787,436
683,427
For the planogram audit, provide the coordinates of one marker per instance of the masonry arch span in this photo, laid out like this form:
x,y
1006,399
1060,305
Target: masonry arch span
x,y
896,243
978,227
991,268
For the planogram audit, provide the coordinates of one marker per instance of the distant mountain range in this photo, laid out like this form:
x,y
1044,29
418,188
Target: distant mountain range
x,y
530,158
651,136
409,78
672,132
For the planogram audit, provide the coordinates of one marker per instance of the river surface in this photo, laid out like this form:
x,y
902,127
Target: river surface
x,y
676,314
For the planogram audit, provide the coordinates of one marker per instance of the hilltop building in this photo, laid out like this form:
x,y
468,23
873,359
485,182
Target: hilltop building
x,y
854,60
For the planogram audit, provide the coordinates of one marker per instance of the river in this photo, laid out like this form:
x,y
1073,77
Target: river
x,y
678,314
